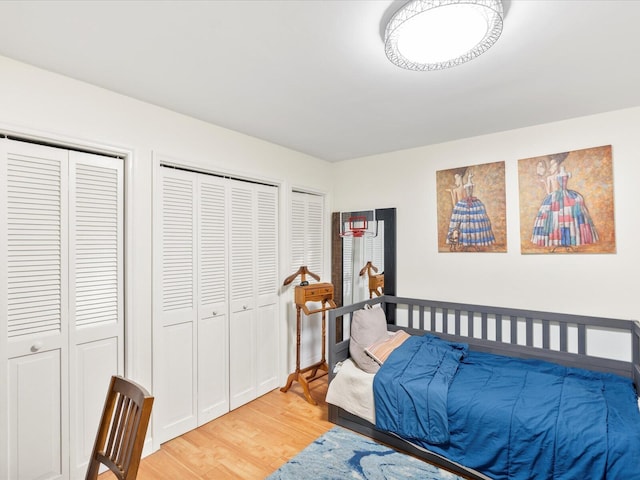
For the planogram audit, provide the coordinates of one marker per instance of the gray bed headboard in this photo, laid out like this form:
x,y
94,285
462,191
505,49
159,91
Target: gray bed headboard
x,y
567,339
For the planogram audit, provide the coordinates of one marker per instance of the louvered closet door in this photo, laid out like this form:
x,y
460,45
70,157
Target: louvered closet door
x,y
61,298
34,292
242,272
175,374
307,232
307,241
267,326
213,318
253,323
96,312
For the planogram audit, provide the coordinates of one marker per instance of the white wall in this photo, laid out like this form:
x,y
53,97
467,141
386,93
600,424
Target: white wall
x,y
41,103
33,101
600,285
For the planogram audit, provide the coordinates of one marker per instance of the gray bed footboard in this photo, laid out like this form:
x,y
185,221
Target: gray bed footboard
x,y
571,340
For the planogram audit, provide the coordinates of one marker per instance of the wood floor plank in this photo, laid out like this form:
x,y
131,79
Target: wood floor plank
x,y
248,443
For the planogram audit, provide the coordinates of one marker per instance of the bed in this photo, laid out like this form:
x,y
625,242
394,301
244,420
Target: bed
x,y
561,356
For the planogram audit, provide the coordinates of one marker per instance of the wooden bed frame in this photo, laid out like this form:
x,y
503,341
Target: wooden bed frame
x,y
559,338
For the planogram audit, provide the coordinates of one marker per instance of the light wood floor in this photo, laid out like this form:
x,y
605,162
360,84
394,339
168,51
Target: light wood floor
x,y
250,442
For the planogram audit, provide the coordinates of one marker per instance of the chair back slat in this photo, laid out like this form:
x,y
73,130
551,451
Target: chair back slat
x,y
130,424
114,432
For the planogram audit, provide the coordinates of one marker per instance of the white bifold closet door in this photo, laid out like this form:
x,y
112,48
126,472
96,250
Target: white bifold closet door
x,y
190,331
307,248
61,298
217,291
253,262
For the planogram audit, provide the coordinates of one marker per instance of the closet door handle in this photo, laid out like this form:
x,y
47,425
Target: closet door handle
x,y
214,313
244,307
36,346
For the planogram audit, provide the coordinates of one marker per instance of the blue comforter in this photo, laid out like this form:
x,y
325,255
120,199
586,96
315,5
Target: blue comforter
x,y
509,418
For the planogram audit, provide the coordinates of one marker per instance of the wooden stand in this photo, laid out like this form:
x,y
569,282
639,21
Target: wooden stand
x,y
376,282
318,292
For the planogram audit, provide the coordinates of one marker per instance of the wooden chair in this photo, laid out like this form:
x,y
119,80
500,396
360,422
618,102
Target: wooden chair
x,y
122,430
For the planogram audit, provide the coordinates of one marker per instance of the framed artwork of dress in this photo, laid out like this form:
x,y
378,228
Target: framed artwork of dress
x,y
472,208
566,202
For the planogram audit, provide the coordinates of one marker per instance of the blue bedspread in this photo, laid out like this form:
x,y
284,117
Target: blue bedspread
x,y
509,418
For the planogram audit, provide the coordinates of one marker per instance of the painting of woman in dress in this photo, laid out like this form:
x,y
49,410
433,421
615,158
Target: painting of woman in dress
x,y
564,221
464,219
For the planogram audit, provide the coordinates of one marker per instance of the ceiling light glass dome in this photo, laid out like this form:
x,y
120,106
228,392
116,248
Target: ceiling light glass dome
x,y
439,34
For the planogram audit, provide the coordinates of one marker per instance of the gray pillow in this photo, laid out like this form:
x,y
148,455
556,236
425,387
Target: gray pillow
x,y
368,326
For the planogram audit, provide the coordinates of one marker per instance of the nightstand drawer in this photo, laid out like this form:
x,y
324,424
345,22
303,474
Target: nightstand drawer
x,y
313,293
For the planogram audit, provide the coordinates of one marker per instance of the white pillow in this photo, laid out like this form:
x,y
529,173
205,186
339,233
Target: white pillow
x,y
368,326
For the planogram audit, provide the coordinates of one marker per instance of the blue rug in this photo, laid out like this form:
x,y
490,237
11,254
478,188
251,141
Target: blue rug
x,y
341,454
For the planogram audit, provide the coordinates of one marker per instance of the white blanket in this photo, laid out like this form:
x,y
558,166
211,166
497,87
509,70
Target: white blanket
x,y
352,390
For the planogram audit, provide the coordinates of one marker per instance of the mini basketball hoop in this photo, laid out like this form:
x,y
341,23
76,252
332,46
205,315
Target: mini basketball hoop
x,y
358,224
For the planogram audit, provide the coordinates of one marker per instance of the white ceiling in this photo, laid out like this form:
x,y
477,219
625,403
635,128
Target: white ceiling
x,y
312,75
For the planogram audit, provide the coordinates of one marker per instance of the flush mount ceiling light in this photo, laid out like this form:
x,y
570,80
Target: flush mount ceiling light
x,y
439,34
